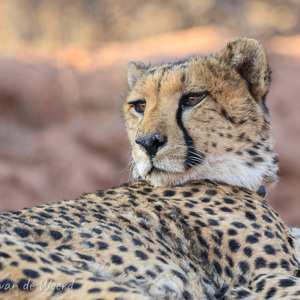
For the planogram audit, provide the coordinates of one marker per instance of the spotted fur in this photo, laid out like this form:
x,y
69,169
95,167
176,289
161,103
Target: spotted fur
x,y
195,226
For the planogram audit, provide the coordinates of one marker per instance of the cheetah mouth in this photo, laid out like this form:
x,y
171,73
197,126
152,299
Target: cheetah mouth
x,y
155,170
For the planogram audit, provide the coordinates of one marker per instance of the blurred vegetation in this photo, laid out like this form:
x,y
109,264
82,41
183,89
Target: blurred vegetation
x,y
46,24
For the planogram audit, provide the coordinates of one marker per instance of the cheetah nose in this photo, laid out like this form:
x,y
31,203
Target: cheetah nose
x,y
152,143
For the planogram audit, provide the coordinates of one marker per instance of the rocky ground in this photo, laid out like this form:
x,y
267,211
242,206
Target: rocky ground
x,y
61,129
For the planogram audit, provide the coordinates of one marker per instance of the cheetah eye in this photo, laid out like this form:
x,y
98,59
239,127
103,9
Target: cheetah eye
x,y
193,99
140,106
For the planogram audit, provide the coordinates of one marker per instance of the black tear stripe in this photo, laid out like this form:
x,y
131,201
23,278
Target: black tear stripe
x,y
192,158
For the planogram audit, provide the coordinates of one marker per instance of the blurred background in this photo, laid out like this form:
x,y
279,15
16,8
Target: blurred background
x,y
63,81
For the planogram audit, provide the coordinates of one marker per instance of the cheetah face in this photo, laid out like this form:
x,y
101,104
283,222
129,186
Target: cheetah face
x,y
202,118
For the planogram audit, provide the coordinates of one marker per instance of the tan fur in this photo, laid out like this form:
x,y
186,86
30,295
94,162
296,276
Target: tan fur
x,y
205,239
237,79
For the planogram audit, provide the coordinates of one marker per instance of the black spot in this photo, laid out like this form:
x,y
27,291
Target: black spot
x,y
242,294
234,246
225,209
116,238
226,116
46,270
249,215
133,228
269,234
158,207
26,285
202,241
244,266
22,232
251,206
213,222
252,153
38,231
228,272
31,273
202,224
232,232
272,291
27,258
6,285
211,192
118,289
187,194
45,261
169,193
238,225
96,279
180,276
230,261
286,282
162,260
267,219
123,249
260,262
151,274
86,257
285,264
55,257
137,242
117,260
260,285
94,290
141,255
96,230
64,247
205,200
258,159
218,267
209,211
261,192
291,242
247,251
55,234
187,295
251,239
75,285
44,215
242,280
131,268
273,265
217,252
4,255
269,250
284,248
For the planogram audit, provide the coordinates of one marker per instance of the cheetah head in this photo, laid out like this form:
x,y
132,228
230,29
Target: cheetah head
x,y
203,118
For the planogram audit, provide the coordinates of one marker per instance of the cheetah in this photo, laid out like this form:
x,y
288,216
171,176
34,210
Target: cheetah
x,y
194,223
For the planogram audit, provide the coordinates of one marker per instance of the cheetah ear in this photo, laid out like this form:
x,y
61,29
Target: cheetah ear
x,y
135,70
249,58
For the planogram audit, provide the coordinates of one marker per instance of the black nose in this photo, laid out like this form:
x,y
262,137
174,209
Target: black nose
x,y
151,143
